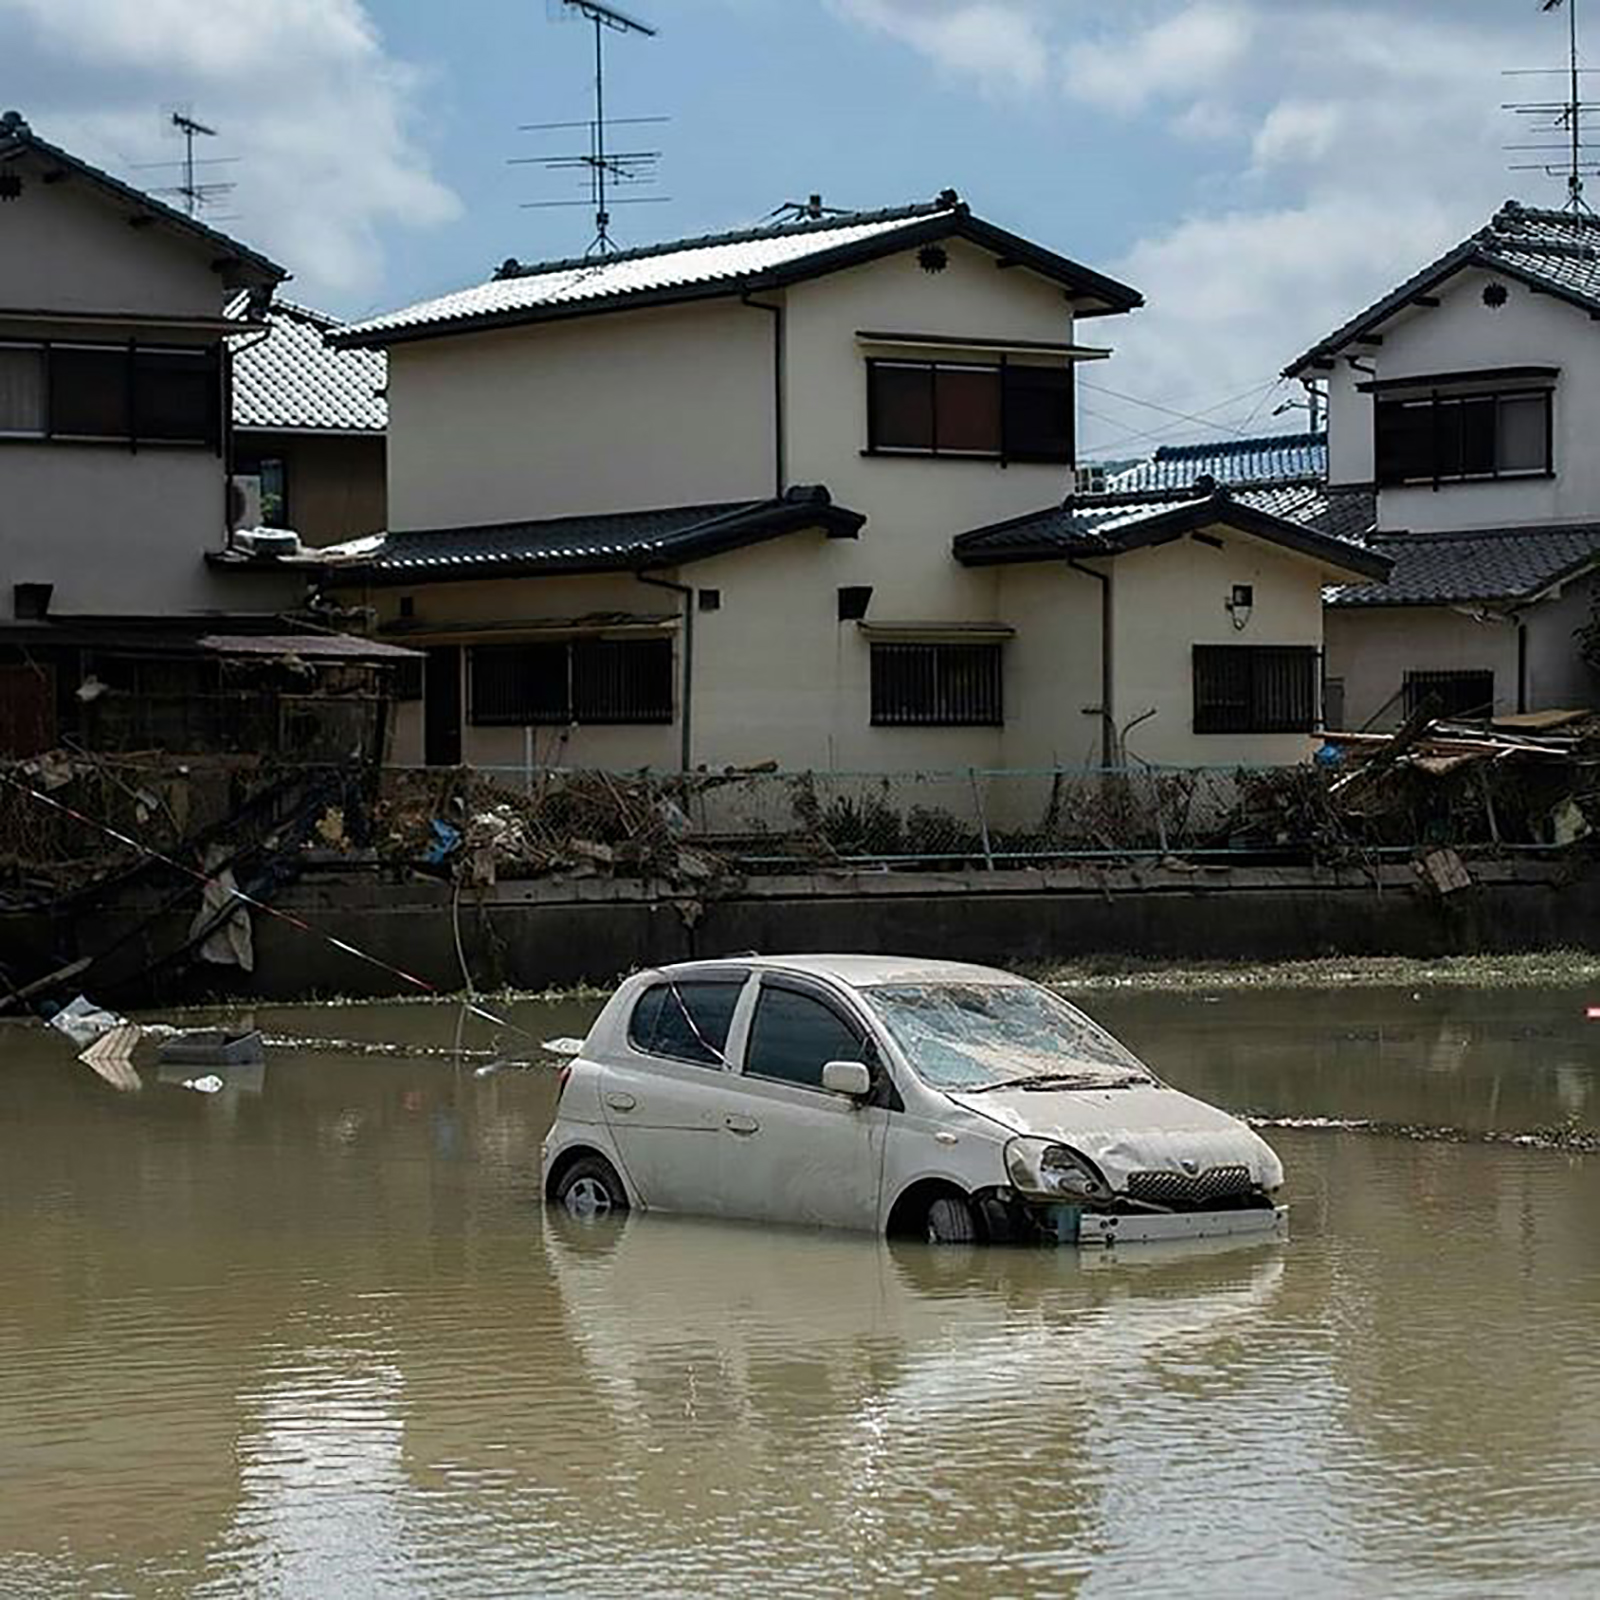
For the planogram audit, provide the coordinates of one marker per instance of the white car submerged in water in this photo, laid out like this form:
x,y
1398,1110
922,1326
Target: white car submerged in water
x,y
899,1096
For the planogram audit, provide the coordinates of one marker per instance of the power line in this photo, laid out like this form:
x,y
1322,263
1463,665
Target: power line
x,y
1155,405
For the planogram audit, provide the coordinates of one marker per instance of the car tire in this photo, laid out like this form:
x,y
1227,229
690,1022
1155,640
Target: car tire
x,y
589,1187
950,1220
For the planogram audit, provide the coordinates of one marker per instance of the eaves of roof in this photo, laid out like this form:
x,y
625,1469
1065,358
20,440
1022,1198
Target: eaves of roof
x,y
1492,249
16,135
1054,535
923,225
569,546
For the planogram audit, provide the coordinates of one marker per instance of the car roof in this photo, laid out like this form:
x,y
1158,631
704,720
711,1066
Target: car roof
x,y
856,971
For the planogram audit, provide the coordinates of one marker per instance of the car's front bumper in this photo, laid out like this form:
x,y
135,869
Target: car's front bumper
x,y
1096,1230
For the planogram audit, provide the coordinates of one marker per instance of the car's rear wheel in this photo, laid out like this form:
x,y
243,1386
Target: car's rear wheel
x,y
590,1187
950,1220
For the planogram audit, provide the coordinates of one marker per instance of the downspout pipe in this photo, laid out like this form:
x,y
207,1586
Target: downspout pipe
x,y
1108,720
687,722
780,454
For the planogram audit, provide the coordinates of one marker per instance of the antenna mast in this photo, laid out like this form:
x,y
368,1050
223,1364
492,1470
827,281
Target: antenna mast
x,y
605,168
194,192
1568,119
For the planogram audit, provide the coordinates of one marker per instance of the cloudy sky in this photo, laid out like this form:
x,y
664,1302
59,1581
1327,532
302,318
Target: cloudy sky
x,y
1259,168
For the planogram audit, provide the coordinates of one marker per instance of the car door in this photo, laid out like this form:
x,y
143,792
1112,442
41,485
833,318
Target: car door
x,y
791,1151
664,1094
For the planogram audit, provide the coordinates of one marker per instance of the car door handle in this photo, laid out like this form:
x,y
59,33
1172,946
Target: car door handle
x,y
740,1124
621,1102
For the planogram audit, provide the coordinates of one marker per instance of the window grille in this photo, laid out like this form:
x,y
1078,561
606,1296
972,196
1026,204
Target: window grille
x,y
1255,688
937,686
596,681
1456,693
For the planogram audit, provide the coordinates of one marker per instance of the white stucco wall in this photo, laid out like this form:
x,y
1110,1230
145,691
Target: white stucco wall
x,y
1371,648
1171,597
1460,335
116,531
66,247
624,411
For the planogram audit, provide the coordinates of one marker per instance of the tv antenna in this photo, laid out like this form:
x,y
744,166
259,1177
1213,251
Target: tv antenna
x,y
1568,118
195,193
605,168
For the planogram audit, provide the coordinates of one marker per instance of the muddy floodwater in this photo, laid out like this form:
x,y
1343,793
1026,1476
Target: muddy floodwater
x,y
311,1334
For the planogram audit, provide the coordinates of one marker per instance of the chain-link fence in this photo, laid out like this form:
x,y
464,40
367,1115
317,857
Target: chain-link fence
x,y
766,822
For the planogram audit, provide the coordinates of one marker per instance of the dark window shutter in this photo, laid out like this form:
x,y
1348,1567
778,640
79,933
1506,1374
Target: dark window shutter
x,y
176,395
900,398
89,393
1039,413
967,410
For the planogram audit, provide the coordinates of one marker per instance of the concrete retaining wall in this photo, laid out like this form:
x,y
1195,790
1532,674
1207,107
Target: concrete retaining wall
x,y
535,936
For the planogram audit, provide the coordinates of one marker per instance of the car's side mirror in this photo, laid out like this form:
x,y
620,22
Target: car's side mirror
x,y
848,1078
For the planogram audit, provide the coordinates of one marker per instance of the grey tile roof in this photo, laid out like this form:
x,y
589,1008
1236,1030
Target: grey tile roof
x,y
17,137
1554,252
611,542
1300,515
1283,455
291,381
722,264
1485,564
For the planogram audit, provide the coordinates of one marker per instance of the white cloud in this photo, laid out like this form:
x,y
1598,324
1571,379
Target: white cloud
x,y
304,92
1183,55
1001,43
1336,146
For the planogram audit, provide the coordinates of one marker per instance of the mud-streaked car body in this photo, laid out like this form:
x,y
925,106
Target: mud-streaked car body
x,y
891,1095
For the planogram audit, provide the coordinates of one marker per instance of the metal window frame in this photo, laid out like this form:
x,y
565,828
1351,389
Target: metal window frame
x,y
1206,721
995,648
1433,400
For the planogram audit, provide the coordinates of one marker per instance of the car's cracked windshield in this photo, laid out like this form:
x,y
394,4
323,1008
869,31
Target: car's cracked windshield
x,y
978,1036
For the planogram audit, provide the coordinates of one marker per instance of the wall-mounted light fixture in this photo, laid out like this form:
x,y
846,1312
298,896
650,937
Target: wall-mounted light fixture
x,y
1240,604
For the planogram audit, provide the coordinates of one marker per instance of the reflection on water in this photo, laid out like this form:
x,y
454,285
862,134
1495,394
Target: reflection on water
x,y
311,1334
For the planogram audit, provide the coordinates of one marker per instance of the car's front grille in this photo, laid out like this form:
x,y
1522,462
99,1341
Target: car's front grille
x,y
1186,1191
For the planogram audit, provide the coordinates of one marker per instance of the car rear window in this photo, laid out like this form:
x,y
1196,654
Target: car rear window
x,y
685,1021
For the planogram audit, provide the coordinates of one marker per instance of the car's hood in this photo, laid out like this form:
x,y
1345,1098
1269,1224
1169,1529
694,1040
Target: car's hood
x,y
1145,1128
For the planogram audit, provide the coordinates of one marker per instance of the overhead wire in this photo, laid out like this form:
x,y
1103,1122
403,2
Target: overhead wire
x,y
242,898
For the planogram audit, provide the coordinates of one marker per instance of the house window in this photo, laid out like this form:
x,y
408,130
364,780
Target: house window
x,y
937,686
992,412
1255,688
575,680
121,392
1455,438
272,477
22,390
1455,694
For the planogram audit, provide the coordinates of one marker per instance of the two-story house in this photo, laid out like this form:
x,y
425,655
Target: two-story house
x,y
803,494
125,620
1462,410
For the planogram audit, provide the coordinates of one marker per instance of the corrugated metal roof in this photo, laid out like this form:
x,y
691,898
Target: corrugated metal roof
x,y
1557,252
290,380
305,646
1486,564
718,264
1274,456
615,541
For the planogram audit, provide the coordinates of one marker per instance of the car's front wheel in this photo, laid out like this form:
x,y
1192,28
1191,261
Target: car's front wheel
x,y
951,1220
590,1187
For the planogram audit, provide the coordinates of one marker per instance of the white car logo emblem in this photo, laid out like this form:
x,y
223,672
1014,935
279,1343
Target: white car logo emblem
x,y
1191,1167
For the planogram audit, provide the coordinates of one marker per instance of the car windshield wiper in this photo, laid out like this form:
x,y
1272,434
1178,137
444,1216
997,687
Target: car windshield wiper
x,y
1059,1080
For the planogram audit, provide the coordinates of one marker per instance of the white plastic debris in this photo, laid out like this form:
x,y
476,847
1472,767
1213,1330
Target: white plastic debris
x,y
209,1084
85,1023
562,1047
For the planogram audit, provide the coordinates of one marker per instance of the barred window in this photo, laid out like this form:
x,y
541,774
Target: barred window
x,y
937,686
593,681
1456,694
1255,688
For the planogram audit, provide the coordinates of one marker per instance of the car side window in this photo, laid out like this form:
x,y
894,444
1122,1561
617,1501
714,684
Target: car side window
x,y
685,1021
793,1037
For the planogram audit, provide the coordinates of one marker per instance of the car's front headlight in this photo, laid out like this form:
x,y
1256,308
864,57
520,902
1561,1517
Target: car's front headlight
x,y
1040,1167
